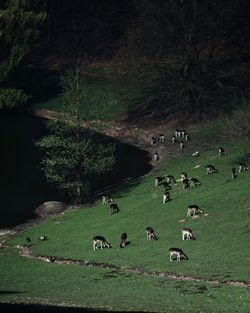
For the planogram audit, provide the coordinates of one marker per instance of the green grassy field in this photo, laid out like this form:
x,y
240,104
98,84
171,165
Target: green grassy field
x,y
108,99
220,252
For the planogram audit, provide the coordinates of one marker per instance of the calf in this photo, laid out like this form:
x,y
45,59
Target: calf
x,y
113,208
193,209
187,137
150,233
153,140
158,180
185,183
234,173
161,137
124,237
187,234
221,152
183,134
182,145
210,169
176,133
174,140
166,197
242,167
156,156
178,253
194,182
179,133
106,199
184,175
102,241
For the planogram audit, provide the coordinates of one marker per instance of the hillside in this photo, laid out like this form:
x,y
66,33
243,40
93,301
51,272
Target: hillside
x,y
216,278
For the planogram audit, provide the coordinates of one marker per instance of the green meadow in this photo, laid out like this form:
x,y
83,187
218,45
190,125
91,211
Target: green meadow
x,y
107,99
220,251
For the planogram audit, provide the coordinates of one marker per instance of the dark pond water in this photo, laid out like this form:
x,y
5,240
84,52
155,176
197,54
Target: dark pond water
x,y
23,186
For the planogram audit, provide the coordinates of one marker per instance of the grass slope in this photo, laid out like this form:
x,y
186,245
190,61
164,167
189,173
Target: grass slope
x,y
108,99
221,250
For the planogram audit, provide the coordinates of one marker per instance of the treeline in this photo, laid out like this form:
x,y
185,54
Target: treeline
x,y
187,56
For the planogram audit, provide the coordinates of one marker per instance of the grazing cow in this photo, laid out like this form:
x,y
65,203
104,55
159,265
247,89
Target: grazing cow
x,y
187,137
43,238
242,167
166,197
50,259
158,180
113,208
193,209
174,140
124,237
221,152
176,133
182,145
161,137
106,199
179,133
156,156
185,183
184,175
102,241
150,233
170,179
234,173
196,154
194,182
210,169
187,234
166,185
28,239
183,134
178,253
153,140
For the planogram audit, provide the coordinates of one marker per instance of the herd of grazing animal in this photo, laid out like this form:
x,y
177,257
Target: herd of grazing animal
x,y
193,210
179,137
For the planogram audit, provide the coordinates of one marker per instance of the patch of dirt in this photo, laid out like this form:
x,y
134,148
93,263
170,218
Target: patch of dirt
x,y
138,135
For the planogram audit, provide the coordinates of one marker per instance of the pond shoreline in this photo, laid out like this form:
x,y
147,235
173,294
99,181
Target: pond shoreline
x,y
25,185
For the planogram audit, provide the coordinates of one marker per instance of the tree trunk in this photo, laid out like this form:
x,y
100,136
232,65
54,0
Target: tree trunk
x,y
78,199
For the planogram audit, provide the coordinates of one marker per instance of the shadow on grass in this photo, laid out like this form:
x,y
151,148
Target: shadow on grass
x,y
7,292
18,308
126,175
